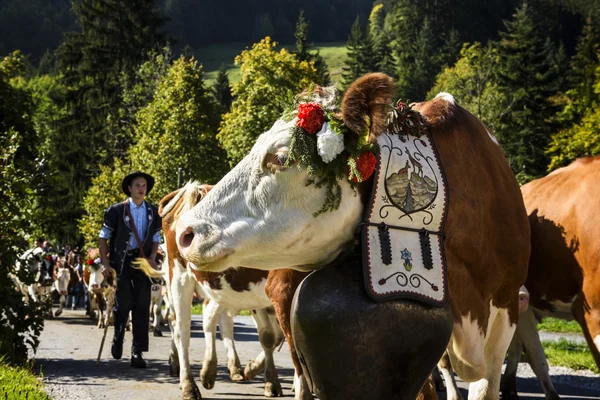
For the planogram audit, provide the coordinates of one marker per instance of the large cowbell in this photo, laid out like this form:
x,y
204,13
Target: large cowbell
x,y
351,343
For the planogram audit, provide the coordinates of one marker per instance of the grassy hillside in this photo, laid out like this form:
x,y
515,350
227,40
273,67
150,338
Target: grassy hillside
x,y
212,57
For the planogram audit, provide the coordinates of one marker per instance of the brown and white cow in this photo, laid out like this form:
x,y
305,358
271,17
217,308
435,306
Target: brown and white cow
x,y
564,270
260,215
101,292
62,278
228,293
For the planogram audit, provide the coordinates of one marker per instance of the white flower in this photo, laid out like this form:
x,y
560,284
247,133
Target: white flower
x,y
329,143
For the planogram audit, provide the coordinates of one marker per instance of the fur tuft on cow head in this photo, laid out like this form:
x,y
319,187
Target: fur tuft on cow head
x,y
440,111
370,96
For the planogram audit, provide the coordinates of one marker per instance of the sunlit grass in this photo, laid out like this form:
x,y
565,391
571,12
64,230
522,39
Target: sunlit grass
x,y
197,310
576,356
559,325
19,383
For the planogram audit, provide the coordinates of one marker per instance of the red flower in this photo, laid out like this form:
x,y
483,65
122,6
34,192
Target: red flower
x,y
365,163
90,262
310,117
49,257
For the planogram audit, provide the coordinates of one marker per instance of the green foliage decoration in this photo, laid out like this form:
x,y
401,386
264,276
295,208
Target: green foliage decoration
x,y
268,76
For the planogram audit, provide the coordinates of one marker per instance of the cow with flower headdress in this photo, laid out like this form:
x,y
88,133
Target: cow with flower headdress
x,y
414,225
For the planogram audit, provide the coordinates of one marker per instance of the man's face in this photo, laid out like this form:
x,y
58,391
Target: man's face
x,y
138,188
37,243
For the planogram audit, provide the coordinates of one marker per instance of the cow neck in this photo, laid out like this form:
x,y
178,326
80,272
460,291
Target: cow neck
x,y
352,253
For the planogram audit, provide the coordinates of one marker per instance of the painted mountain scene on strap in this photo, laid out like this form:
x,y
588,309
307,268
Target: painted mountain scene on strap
x,y
410,189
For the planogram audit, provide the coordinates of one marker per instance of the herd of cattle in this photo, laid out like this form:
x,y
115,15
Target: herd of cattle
x,y
514,256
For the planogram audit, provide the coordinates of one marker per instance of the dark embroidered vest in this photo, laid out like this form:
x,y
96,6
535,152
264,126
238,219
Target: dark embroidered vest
x,y
116,220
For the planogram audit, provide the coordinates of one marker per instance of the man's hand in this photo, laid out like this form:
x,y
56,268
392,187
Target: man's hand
x,y
108,271
152,261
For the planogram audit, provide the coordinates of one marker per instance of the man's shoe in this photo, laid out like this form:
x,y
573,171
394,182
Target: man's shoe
x,y
117,349
137,361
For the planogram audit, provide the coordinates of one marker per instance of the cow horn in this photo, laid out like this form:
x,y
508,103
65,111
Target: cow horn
x,y
369,98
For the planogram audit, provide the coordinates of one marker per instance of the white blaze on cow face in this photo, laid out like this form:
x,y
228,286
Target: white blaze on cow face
x,y
63,276
96,279
260,215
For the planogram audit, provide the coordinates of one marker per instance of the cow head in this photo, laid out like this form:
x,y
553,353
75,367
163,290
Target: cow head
x,y
63,276
262,213
96,280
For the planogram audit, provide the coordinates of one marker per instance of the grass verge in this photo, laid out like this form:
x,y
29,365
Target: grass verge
x,y
576,356
197,310
559,325
17,383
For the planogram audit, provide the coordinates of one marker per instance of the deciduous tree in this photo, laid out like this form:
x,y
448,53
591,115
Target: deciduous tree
x,y
269,78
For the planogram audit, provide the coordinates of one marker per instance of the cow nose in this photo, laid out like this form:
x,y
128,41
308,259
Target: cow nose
x,y
186,238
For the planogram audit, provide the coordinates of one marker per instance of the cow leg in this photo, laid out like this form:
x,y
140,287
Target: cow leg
x,y
500,333
280,288
61,304
210,314
528,334
32,289
156,310
255,367
586,310
445,367
233,361
173,359
508,383
270,336
182,289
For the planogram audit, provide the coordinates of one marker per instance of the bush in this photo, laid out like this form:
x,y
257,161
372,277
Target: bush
x,y
19,383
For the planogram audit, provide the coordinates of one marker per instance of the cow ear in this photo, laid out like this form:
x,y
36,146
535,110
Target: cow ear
x,y
368,100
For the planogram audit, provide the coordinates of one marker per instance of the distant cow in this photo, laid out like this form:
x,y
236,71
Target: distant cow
x,y
63,274
564,269
261,215
101,292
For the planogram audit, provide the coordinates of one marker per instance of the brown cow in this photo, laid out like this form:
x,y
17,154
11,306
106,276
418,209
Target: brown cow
x,y
261,215
269,295
564,269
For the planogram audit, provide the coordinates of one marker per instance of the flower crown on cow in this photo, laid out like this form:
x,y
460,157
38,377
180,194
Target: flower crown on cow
x,y
322,144
93,264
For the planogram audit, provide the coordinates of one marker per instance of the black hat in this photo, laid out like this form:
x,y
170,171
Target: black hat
x,y
129,178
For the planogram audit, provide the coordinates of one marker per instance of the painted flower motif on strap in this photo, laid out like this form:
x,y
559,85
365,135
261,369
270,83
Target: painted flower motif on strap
x,y
310,117
329,143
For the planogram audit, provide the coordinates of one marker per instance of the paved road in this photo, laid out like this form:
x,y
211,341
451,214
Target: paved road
x,y
69,347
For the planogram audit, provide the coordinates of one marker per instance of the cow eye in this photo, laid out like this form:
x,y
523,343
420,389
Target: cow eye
x,y
276,162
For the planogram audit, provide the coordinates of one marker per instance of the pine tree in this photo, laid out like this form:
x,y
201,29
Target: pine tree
x,y
222,90
355,65
115,38
304,48
581,95
301,35
527,78
415,82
